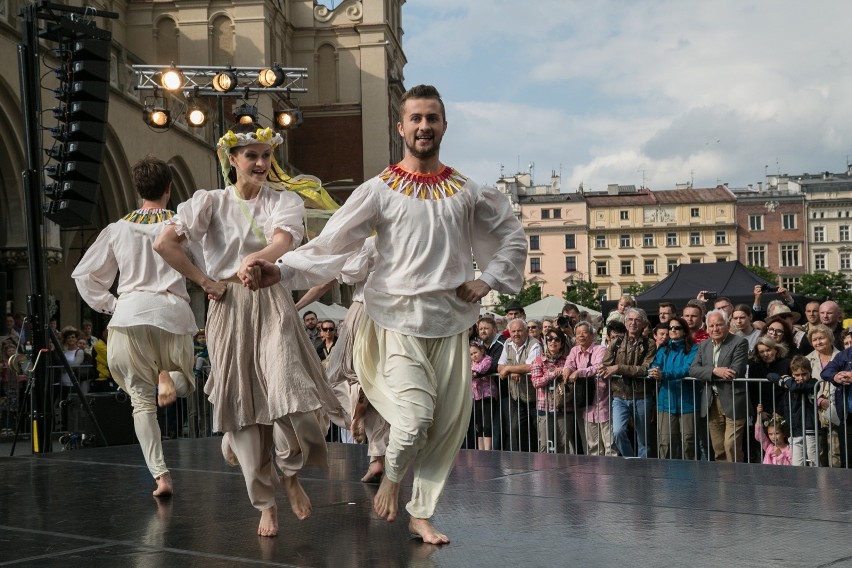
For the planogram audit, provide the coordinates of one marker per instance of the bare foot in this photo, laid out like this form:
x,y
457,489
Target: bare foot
x,y
357,425
423,528
299,501
386,501
374,472
166,393
164,485
268,522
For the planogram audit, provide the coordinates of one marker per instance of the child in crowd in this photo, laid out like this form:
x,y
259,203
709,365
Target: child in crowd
x,y
798,407
776,451
484,393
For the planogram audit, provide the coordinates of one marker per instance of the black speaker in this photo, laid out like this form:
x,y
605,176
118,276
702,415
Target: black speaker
x,y
113,412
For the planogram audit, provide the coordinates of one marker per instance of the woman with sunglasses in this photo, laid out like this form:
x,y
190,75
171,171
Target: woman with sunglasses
x,y
676,399
556,424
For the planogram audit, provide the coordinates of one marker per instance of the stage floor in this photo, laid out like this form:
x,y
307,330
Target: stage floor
x,y
93,508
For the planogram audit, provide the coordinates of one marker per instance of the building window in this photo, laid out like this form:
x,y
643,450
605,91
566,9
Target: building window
x,y
844,233
694,239
671,239
535,265
600,241
601,295
624,241
694,261
557,213
756,255
671,264
534,242
819,261
845,261
545,213
790,282
223,42
721,259
570,264
755,222
650,267
626,267
789,255
721,238
570,241
648,240
788,221
624,215
693,212
600,268
819,234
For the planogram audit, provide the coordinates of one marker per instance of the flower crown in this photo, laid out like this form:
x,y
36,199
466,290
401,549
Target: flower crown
x,y
260,136
776,421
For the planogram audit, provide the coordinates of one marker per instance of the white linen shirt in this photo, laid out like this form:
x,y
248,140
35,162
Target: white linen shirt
x,y
150,292
425,250
216,219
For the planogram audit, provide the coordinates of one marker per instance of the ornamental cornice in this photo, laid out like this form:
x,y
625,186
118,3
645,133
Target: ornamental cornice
x,y
351,9
19,257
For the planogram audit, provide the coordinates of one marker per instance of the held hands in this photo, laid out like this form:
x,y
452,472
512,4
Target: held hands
x,y
843,377
260,273
214,289
473,290
249,275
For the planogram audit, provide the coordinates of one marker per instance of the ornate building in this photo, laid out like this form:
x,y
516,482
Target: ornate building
x,y
353,55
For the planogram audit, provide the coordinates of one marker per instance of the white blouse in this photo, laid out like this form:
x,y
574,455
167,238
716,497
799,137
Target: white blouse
x,y
150,292
358,268
425,249
230,228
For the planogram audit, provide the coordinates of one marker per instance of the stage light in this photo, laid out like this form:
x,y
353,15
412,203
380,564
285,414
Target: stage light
x,y
271,76
196,116
290,118
171,80
157,117
246,114
225,81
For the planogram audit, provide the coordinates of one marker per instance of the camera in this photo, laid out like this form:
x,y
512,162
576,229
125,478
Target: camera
x,y
711,295
563,321
768,289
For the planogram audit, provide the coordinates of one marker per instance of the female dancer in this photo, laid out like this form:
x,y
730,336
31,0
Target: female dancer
x,y
266,382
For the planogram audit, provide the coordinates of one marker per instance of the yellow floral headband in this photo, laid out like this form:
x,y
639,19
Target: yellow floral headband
x,y
309,187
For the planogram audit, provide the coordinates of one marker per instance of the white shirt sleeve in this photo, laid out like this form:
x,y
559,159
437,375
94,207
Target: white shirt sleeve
x,y
96,272
498,241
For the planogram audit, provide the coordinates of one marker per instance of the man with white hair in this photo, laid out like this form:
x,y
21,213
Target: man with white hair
x,y
719,361
514,369
626,366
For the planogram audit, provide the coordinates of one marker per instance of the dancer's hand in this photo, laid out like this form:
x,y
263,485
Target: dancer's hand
x,y
214,289
249,275
473,290
268,274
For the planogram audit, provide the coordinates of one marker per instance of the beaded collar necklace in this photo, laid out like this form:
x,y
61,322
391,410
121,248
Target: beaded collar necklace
x,y
445,183
149,216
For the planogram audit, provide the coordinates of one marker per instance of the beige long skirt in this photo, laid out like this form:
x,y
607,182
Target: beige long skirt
x,y
262,363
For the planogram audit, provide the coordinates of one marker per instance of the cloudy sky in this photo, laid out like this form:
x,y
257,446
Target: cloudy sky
x,y
617,91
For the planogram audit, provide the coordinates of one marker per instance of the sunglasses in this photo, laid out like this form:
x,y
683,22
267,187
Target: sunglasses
x,y
327,328
775,331
553,338
675,328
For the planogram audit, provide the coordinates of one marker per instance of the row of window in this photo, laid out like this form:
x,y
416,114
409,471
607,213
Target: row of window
x,y
602,266
570,264
842,234
626,241
789,222
570,242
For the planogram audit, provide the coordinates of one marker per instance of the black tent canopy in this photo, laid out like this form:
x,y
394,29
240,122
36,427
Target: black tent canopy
x,y
729,279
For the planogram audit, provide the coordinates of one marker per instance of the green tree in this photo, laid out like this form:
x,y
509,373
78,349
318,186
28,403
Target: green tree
x,y
764,273
636,289
583,293
526,296
827,286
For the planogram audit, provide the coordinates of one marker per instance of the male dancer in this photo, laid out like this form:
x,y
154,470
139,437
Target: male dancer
x,y
411,347
150,333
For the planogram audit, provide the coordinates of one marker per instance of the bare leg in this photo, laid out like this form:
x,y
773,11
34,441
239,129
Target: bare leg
x,y
386,501
268,522
424,529
166,393
484,443
374,472
164,485
299,501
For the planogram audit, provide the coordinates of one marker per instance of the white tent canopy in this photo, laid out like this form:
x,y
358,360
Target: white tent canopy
x,y
551,306
333,312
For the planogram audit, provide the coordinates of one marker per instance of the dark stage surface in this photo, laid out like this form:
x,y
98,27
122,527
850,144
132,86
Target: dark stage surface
x,y
93,508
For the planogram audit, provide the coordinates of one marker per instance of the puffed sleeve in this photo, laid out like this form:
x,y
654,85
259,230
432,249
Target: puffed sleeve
x,y
498,241
322,259
193,216
96,272
359,265
287,215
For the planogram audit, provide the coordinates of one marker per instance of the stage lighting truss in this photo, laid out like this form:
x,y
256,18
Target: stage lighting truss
x,y
220,81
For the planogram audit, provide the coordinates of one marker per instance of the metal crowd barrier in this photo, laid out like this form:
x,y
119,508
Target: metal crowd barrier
x,y
820,438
